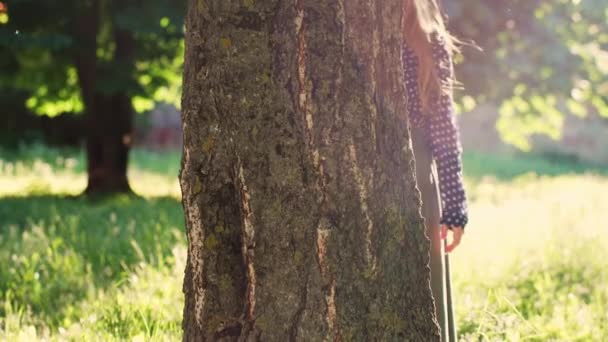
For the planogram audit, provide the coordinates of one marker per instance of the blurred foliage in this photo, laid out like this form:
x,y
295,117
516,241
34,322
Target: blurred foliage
x,y
39,41
540,59
510,166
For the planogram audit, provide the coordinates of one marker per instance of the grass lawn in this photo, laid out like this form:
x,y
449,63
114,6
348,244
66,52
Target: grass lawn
x,y
531,267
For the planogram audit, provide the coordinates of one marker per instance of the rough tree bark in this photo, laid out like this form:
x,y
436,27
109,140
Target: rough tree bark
x,y
302,213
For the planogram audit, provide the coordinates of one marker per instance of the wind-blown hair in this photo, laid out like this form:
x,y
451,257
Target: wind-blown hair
x,y
423,26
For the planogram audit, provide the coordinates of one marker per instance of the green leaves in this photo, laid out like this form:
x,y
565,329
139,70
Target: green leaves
x,y
540,59
39,45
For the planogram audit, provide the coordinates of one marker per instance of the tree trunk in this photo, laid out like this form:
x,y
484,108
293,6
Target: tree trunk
x,y
109,132
108,117
301,207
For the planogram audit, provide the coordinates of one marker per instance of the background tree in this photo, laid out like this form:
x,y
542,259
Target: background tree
x,y
297,182
540,60
99,57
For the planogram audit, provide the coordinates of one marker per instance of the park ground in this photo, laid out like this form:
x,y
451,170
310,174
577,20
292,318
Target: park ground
x,y
531,266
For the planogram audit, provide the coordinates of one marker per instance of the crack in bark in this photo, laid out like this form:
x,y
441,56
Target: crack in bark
x,y
373,71
303,82
341,16
363,202
248,244
196,236
330,297
332,314
293,330
305,108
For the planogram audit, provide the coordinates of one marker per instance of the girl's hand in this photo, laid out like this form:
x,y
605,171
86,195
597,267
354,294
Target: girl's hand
x,y
457,233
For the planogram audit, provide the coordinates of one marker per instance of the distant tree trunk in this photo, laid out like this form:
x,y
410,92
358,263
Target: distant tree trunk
x,y
110,129
302,213
108,117
109,137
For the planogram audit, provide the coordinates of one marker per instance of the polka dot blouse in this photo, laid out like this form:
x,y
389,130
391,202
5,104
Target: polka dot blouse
x,y
443,135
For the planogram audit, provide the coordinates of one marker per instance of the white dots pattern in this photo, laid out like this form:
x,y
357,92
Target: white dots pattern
x,y
443,134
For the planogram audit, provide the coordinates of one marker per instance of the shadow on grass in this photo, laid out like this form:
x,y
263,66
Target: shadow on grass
x,y
54,250
165,162
506,167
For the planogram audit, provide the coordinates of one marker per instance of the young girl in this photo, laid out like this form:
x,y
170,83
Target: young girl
x,y
427,61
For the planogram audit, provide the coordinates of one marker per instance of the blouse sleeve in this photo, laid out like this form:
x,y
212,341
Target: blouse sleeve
x,y
446,147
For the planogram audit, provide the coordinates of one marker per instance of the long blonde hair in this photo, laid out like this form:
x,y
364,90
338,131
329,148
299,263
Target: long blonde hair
x,y
422,20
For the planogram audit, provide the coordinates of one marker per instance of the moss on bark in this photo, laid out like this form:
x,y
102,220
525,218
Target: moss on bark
x,y
297,178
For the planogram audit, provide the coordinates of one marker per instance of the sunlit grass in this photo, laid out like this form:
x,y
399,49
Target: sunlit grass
x,y
75,269
38,170
531,267
529,215
532,263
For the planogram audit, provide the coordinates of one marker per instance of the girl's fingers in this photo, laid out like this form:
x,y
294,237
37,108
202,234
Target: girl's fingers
x,y
456,237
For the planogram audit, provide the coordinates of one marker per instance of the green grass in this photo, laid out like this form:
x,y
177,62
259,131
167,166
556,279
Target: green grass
x,y
507,167
75,269
531,266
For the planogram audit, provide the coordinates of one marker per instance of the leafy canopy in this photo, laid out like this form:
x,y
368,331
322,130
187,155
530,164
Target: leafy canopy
x,y
38,42
540,59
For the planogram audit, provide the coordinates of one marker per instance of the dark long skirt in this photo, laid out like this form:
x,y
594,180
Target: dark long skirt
x,y
426,176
